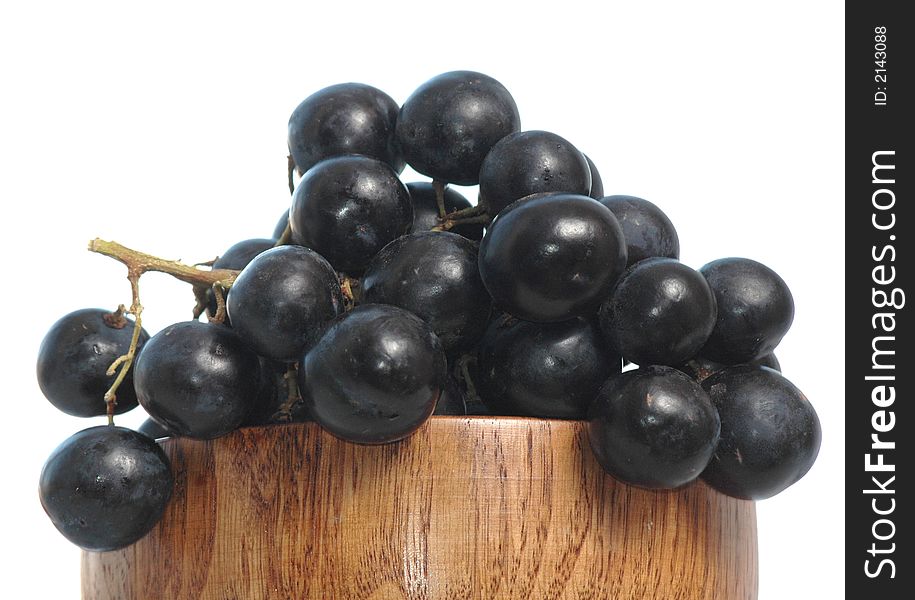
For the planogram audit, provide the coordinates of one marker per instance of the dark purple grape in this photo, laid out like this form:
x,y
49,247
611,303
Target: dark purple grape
x,y
597,184
281,225
755,310
106,487
531,162
74,356
281,299
237,258
348,208
549,370
425,210
699,367
347,118
653,427
770,433
449,123
197,379
647,229
151,429
434,275
552,257
452,401
661,312
375,376
239,255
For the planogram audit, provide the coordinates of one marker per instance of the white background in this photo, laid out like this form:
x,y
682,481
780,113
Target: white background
x,y
163,125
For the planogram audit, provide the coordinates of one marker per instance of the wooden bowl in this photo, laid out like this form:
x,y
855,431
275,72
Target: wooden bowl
x,y
468,507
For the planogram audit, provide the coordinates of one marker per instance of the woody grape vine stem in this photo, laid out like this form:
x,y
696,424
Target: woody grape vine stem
x,y
137,264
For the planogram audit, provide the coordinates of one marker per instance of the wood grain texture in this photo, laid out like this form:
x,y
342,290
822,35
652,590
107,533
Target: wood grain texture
x,y
467,508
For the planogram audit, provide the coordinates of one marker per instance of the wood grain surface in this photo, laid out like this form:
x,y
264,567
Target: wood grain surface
x,y
467,508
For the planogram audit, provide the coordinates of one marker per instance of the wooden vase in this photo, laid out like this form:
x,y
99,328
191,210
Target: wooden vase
x,y
466,508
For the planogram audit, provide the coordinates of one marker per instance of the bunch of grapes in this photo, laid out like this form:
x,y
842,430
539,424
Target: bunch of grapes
x,y
376,304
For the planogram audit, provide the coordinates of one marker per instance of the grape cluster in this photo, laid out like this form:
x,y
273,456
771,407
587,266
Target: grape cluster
x,y
377,303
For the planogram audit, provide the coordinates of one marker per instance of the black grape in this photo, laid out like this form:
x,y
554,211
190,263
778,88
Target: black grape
x,y
552,257
106,487
425,210
281,225
661,312
597,184
531,162
647,229
548,370
239,255
375,376
281,299
74,356
348,208
151,429
237,258
449,123
755,310
197,379
653,427
433,274
347,118
770,433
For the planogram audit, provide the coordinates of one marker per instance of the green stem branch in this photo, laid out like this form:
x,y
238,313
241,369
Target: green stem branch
x,y
140,263
137,264
125,361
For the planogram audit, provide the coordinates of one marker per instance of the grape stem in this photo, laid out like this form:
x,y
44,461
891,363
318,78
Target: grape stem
x,y
125,361
284,414
137,264
463,368
470,211
219,293
116,319
346,288
465,216
350,287
439,187
448,223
